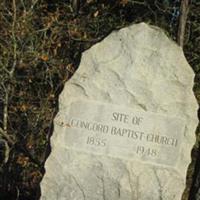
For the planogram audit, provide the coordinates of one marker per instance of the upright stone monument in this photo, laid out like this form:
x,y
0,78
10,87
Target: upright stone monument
x,y
126,122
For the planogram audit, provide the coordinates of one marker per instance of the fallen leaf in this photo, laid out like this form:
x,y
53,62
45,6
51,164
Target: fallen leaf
x,y
123,2
44,58
96,13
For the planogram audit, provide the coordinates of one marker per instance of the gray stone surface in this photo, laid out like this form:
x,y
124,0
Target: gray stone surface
x,y
140,68
198,195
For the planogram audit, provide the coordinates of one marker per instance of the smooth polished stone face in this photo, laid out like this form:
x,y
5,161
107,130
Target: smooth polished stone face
x,y
117,131
126,122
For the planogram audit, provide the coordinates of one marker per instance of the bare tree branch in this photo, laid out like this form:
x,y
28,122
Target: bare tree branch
x,y
14,39
182,21
7,87
75,5
7,137
5,112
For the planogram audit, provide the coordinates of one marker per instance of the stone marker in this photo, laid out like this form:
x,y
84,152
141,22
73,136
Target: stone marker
x,y
126,122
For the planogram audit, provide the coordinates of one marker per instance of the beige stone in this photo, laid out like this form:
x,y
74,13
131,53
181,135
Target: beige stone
x,y
137,69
